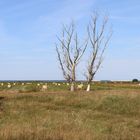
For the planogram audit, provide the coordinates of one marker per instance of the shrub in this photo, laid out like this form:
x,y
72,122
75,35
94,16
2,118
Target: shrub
x,y
135,80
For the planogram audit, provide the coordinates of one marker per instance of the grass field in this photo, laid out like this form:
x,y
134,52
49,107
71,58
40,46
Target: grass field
x,y
61,115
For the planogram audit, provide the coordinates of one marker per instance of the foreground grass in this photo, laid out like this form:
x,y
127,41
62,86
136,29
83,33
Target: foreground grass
x,y
101,115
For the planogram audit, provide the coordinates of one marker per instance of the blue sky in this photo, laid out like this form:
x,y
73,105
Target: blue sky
x,y
28,32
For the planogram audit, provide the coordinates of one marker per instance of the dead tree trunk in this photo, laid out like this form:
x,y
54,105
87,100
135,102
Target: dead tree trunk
x,y
98,42
88,86
69,53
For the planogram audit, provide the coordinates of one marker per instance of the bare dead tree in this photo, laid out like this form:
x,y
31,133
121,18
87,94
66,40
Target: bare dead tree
x,y
69,53
98,41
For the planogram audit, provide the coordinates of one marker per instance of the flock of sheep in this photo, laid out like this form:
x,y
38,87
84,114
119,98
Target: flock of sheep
x,y
42,86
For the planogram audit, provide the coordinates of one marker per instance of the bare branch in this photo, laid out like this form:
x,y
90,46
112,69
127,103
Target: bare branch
x,y
98,43
68,59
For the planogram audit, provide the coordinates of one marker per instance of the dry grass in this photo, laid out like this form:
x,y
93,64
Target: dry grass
x,y
99,115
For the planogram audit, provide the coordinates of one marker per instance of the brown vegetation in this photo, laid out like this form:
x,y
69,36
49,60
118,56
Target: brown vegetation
x,y
102,114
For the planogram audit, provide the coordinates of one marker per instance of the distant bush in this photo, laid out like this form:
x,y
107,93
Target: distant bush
x,y
135,80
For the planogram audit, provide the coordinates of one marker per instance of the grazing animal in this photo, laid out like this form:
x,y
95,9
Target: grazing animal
x,y
80,86
44,87
9,86
38,84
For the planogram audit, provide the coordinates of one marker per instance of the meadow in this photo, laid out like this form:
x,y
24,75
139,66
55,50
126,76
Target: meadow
x,y
111,111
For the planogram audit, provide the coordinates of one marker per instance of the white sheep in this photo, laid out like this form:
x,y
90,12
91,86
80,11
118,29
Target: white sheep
x,y
14,84
9,86
44,87
80,86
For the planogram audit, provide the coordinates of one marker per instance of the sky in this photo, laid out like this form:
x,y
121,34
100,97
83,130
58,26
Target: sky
x,y
28,32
